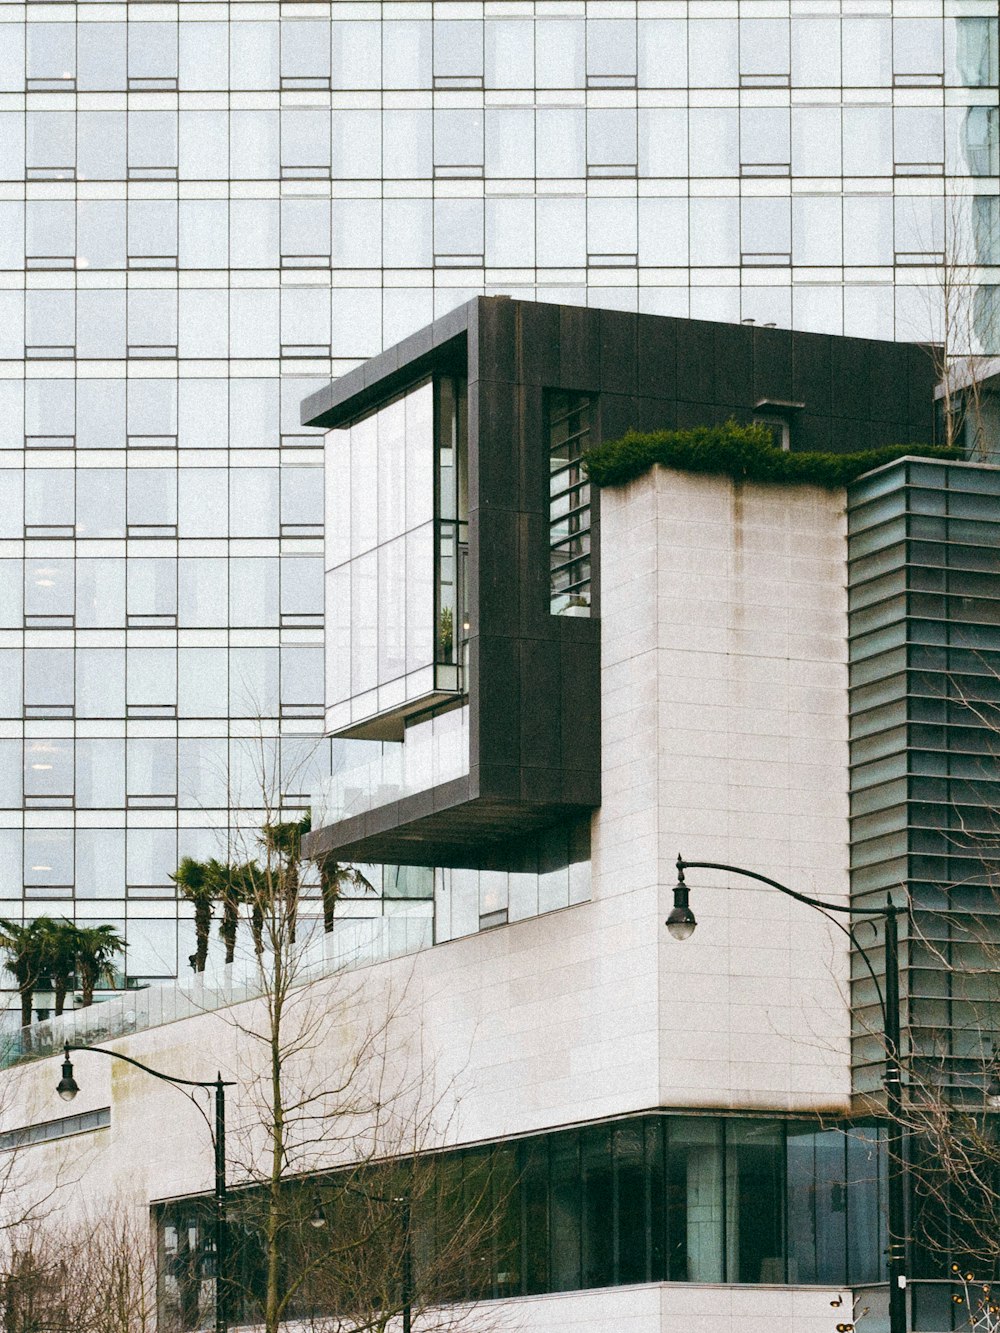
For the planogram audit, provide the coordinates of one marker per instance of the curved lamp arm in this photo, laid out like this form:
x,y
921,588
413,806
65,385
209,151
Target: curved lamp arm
x,y
166,1078
68,1088
681,921
683,865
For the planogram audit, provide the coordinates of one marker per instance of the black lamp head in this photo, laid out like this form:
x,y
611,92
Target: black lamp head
x,y
67,1087
682,921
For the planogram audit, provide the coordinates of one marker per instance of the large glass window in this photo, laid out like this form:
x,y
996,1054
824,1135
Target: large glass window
x,y
452,605
971,51
541,873
686,1198
396,552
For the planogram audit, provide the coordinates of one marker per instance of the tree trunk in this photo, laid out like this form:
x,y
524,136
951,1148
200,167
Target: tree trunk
x,y
329,887
88,980
27,991
202,930
272,1299
60,986
230,925
292,898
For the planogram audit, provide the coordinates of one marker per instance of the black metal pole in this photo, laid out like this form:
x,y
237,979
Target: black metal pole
x,y
895,1142
218,1086
221,1231
895,1139
407,1267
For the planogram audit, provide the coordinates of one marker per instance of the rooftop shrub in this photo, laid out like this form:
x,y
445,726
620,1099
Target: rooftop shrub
x,y
745,453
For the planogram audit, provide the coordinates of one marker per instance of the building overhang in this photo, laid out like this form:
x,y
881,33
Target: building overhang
x,y
531,683
441,348
458,830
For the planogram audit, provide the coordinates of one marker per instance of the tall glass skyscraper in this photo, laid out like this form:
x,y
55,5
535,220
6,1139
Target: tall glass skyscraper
x,y
206,210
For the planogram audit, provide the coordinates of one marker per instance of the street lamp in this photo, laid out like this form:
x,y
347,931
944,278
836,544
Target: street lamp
x,y
67,1088
681,924
401,1201
317,1218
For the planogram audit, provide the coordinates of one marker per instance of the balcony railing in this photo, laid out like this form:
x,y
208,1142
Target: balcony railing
x,y
353,943
433,752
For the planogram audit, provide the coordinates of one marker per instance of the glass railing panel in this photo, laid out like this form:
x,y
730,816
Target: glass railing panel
x,y
433,752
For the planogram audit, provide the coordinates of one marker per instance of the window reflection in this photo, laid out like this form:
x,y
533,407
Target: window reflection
x,y
971,45
48,772
542,873
395,586
687,1198
48,862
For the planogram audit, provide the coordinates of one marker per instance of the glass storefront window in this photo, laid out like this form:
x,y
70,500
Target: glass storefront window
x,y
683,1198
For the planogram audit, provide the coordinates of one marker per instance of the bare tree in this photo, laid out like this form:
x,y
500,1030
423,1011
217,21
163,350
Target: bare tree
x,y
336,1188
97,1277
964,313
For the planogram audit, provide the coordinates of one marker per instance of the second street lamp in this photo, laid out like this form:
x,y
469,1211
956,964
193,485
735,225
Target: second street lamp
x,y
67,1088
681,924
401,1201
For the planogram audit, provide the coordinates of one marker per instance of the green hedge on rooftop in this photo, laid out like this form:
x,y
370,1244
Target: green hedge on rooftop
x,y
745,453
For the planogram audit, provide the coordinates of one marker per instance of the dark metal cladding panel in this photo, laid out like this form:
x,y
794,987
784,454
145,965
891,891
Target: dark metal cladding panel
x,y
538,343
500,581
772,364
493,340
813,432
535,616
494,425
922,379
852,378
656,414
501,783
618,415
619,366
499,702
580,687
848,435
533,461
541,786
888,377
812,373
541,712
656,356
579,348
733,354
696,363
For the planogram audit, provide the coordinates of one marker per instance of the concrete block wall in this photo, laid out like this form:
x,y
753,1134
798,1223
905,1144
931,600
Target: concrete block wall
x,y
724,682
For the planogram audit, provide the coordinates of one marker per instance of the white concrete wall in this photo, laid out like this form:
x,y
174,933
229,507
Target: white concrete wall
x,y
724,642
678,1308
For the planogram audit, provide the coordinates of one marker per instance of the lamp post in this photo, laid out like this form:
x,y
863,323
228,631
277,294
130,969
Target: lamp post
x,y
318,1219
67,1089
681,924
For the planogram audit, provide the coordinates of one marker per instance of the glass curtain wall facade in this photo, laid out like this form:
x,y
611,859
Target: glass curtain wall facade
x,y
654,1198
205,213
